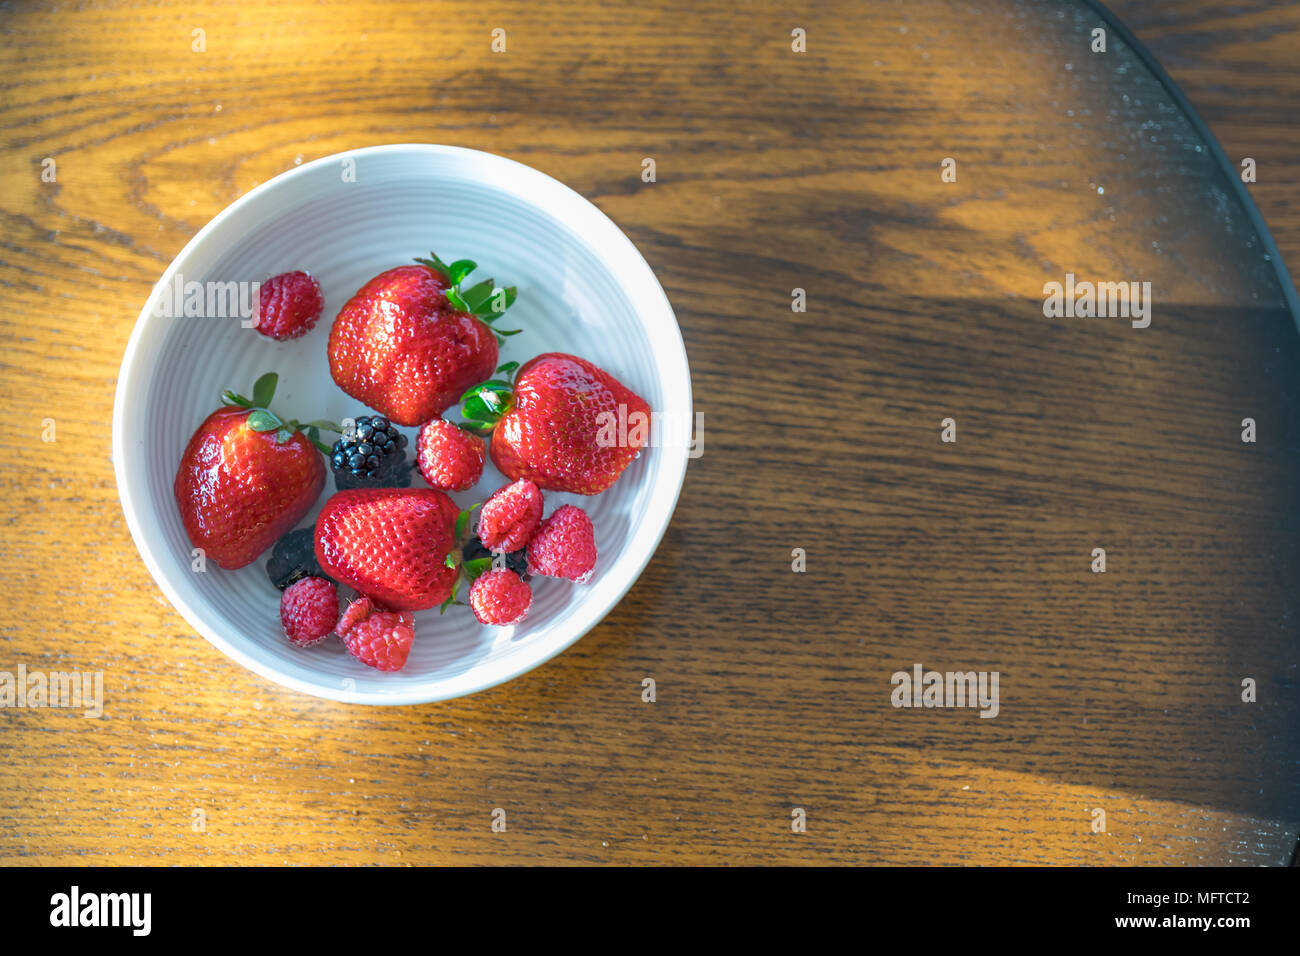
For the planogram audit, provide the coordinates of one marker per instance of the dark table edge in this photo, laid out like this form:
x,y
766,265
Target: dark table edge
x,y
1226,166
1229,170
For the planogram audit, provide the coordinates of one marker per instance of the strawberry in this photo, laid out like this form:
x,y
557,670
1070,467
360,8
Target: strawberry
x,y
246,477
410,341
450,458
393,544
566,424
375,636
309,609
564,546
508,518
500,597
288,305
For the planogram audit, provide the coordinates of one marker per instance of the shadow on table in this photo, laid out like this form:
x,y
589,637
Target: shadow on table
x,y
978,555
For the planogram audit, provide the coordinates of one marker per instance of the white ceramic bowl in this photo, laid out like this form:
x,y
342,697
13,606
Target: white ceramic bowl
x,y
583,288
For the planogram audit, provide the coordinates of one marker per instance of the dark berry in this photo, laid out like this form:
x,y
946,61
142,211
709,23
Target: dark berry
x,y
371,455
294,558
516,561
397,476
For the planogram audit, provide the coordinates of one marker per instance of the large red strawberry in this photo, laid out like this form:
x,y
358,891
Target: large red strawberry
x,y
411,341
246,477
391,544
566,425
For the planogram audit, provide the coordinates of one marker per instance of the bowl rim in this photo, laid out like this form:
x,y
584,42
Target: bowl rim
x,y
134,500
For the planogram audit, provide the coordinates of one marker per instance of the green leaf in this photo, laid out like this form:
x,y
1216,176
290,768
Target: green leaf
x,y
478,409
472,569
433,262
450,559
233,398
283,435
451,598
496,384
456,301
314,434
460,269
327,426
324,449
503,299
475,296
507,331
488,402
508,368
496,303
260,420
264,390
462,521
484,404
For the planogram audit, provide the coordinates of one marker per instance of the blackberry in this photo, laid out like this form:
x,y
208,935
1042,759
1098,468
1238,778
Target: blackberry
x,y
371,455
398,476
516,561
294,558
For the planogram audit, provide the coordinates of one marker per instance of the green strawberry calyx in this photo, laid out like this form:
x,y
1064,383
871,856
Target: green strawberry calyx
x,y
469,570
485,404
485,301
262,419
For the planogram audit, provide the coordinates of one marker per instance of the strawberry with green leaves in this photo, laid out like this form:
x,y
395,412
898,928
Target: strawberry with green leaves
x,y
412,340
394,545
564,424
247,476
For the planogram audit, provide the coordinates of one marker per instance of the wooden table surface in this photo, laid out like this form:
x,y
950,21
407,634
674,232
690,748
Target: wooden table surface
x,y
776,170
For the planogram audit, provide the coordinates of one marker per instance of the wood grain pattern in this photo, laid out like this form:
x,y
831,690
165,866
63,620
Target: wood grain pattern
x,y
775,170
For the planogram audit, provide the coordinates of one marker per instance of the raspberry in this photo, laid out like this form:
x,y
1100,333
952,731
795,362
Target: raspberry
x,y
450,458
564,546
510,516
377,637
309,609
288,305
500,597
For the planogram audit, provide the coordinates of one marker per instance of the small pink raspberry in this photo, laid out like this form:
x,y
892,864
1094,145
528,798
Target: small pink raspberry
x,y
500,597
510,516
564,546
375,636
288,305
309,609
450,458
